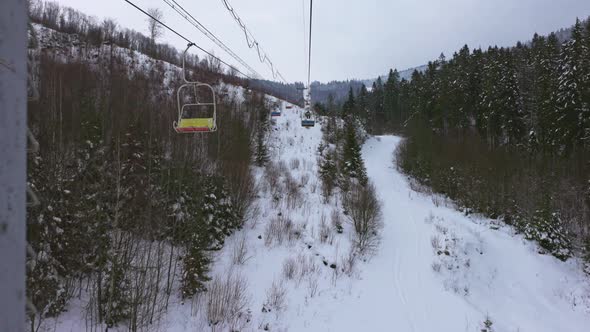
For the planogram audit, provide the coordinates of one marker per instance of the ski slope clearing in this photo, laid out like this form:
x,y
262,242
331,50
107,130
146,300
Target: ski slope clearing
x,y
289,256
438,270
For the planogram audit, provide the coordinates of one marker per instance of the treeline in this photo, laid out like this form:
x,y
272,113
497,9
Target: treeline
x,y
95,33
505,132
129,210
290,92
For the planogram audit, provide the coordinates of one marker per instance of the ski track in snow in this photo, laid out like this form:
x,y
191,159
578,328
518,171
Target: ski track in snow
x,y
510,282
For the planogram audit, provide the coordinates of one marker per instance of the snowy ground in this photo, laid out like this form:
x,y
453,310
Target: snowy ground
x,y
436,270
312,250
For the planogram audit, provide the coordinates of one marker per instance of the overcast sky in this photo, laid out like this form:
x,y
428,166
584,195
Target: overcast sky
x,y
351,39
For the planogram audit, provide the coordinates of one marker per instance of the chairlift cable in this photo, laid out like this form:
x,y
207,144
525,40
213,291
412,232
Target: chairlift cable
x,y
309,48
192,20
186,39
252,42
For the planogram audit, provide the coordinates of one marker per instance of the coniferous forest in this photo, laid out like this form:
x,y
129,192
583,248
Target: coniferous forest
x,y
503,131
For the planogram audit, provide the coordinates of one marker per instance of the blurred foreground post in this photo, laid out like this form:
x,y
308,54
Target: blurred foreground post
x,y
13,128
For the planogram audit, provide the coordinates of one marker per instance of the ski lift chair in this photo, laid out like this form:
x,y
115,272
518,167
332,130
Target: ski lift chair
x,y
307,121
191,105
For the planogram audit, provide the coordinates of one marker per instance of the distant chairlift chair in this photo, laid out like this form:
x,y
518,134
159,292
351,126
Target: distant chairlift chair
x,y
307,121
189,119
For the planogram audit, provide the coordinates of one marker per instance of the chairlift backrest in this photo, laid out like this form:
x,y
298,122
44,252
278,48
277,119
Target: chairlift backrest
x,y
192,123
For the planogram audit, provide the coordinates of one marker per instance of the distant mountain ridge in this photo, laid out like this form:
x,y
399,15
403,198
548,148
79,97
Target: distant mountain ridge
x,y
339,89
404,74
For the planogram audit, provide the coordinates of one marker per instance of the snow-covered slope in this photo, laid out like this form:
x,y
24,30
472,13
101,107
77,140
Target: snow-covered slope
x,y
438,270
309,244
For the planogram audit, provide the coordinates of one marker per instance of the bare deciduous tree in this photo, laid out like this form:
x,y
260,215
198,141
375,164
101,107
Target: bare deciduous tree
x,y
155,29
214,63
109,28
364,211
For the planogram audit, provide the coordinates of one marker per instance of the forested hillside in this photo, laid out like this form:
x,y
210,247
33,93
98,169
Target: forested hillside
x,y
128,210
503,131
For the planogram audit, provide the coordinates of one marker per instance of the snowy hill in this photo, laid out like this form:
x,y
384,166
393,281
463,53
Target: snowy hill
x,y
435,270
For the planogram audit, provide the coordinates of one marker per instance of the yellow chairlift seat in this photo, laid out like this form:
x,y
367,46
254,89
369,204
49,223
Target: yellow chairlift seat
x,y
195,125
187,122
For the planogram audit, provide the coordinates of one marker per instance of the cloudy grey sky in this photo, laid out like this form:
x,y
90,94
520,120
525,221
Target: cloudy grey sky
x,y
352,39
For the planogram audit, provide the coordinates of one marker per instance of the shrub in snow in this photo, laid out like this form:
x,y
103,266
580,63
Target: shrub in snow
x,y
435,242
306,267
279,230
227,303
364,211
294,163
436,266
293,190
486,326
116,296
272,176
289,268
348,262
337,222
324,230
312,286
276,297
240,251
546,228
261,152
304,180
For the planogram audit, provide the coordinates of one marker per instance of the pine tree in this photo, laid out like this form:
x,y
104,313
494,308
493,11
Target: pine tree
x,y
585,87
217,211
571,120
391,95
328,171
195,261
261,153
377,96
353,164
116,293
460,103
512,103
349,106
375,104
491,99
362,102
546,227
544,61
